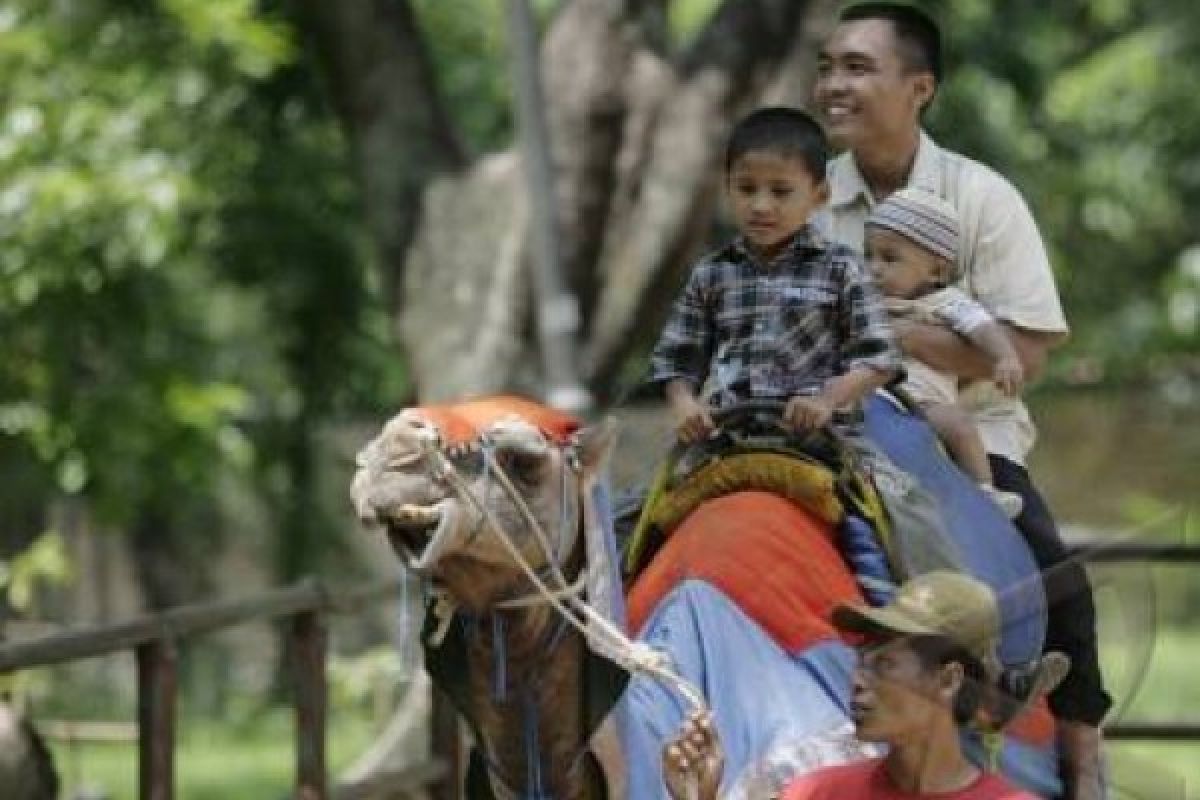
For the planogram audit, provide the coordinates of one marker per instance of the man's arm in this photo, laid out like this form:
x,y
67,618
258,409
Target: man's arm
x,y
947,351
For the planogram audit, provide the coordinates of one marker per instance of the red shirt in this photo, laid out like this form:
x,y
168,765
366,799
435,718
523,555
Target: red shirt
x,y
868,780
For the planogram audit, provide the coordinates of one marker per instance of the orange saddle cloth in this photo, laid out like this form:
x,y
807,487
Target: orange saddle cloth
x,y
778,563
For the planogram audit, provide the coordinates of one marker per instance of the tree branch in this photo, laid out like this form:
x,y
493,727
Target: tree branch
x,y
586,56
382,85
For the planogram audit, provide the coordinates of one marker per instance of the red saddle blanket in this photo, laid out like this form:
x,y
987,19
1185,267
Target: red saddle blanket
x,y
778,564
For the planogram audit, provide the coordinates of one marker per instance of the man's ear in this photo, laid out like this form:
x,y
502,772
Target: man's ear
x,y
950,679
924,88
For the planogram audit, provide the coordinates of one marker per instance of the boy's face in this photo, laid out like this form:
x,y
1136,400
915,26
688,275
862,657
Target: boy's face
x,y
772,196
901,267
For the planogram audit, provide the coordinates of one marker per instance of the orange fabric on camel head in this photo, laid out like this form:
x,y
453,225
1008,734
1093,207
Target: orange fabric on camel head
x,y
460,423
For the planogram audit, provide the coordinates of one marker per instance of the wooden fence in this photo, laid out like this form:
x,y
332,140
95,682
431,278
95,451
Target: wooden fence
x,y
305,606
152,639
1099,551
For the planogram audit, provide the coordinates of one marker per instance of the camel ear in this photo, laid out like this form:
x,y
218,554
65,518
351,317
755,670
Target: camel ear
x,y
594,444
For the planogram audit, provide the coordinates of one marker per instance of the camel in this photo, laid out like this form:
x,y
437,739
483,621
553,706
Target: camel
x,y
512,639
738,598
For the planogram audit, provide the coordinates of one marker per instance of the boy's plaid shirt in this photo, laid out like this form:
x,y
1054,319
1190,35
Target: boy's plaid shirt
x,y
755,332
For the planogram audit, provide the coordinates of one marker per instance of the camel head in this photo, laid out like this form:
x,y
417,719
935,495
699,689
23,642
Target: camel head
x,y
428,496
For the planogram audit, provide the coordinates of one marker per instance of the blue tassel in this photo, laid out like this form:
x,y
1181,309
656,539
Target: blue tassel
x,y
533,769
499,660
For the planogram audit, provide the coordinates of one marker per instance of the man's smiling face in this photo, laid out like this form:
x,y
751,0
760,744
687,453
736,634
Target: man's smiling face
x,y
865,90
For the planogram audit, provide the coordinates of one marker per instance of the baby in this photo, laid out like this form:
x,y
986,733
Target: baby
x,y
912,249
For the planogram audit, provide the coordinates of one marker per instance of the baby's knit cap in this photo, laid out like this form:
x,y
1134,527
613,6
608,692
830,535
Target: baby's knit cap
x,y
923,218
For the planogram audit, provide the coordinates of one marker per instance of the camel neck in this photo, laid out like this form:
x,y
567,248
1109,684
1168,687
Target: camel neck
x,y
526,668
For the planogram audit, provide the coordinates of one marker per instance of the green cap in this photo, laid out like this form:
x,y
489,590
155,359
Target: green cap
x,y
947,604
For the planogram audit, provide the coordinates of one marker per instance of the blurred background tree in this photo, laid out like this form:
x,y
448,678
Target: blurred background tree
x,y
208,209
234,229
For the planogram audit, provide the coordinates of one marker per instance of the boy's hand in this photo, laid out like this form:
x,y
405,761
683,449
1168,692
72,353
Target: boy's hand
x,y
694,421
695,757
1009,375
805,413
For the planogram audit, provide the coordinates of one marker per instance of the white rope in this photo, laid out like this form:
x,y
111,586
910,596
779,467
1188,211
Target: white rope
x,y
630,655
536,598
501,476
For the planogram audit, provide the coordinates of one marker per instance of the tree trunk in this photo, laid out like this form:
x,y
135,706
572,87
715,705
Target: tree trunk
x,y
671,184
381,82
636,136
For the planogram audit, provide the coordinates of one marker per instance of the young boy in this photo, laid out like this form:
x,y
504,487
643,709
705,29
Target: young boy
x,y
779,313
912,249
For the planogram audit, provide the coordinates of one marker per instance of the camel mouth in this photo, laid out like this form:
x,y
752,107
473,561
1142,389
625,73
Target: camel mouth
x,y
413,528
424,535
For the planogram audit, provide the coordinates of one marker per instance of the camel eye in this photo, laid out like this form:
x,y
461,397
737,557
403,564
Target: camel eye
x,y
520,466
469,461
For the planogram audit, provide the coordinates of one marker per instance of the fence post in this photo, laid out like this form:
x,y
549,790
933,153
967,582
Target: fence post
x,y
157,683
308,645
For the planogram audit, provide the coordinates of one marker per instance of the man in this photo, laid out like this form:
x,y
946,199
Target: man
x,y
924,663
876,74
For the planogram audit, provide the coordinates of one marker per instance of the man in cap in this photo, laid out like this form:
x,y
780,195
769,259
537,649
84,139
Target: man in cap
x,y
926,663
876,74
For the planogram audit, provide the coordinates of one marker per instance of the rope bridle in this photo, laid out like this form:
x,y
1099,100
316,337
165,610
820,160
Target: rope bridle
x,y
567,599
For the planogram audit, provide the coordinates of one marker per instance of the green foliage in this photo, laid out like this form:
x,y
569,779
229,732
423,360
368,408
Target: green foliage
x,y
186,292
685,17
1079,110
371,681
468,44
184,280
45,561
108,214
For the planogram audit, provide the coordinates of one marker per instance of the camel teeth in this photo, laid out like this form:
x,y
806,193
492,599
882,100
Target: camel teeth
x,y
416,515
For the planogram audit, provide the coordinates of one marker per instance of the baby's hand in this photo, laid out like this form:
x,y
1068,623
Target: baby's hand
x,y
1009,375
694,421
808,413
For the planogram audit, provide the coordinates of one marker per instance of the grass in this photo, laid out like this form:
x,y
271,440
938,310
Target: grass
x,y
214,761
1148,771
1151,671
